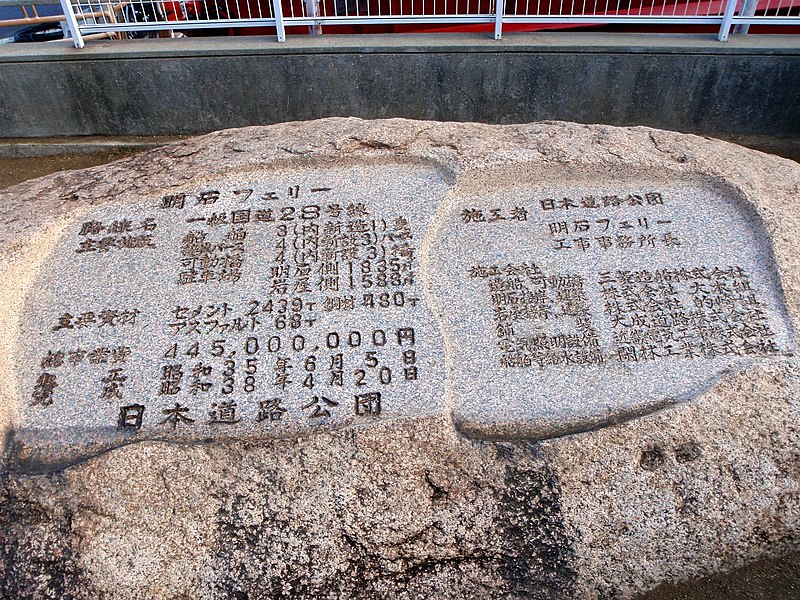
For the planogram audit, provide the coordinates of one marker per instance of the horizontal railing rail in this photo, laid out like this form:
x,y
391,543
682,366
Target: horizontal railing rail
x,y
143,18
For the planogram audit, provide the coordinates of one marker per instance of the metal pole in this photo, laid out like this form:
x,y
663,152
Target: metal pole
x,y
498,19
278,9
72,23
748,10
724,30
312,10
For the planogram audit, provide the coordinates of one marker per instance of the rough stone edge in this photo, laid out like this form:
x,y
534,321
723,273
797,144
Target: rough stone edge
x,y
766,182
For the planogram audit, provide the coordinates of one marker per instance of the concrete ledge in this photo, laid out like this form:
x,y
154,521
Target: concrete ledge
x,y
689,83
547,42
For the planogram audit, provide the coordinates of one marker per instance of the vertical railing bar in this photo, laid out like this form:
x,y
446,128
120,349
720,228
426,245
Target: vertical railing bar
x,y
498,19
725,28
748,10
312,10
216,9
112,18
72,23
277,8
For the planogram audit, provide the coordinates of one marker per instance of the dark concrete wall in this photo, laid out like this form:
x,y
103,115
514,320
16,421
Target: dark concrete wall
x,y
170,87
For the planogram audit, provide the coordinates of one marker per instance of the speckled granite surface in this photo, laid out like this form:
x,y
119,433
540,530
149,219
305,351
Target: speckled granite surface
x,y
353,358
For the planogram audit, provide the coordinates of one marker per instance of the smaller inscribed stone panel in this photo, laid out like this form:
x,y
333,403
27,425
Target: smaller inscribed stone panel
x,y
571,307
265,304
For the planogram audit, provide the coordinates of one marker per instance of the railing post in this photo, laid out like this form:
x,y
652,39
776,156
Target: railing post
x,y
72,23
748,10
279,28
312,10
498,19
725,29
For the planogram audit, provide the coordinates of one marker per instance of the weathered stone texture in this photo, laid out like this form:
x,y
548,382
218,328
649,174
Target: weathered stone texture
x,y
439,501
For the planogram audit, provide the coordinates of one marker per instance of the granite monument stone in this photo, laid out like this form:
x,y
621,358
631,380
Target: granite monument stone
x,y
351,358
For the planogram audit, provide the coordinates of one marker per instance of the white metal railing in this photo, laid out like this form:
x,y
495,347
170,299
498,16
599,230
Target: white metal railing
x,y
28,15
134,18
